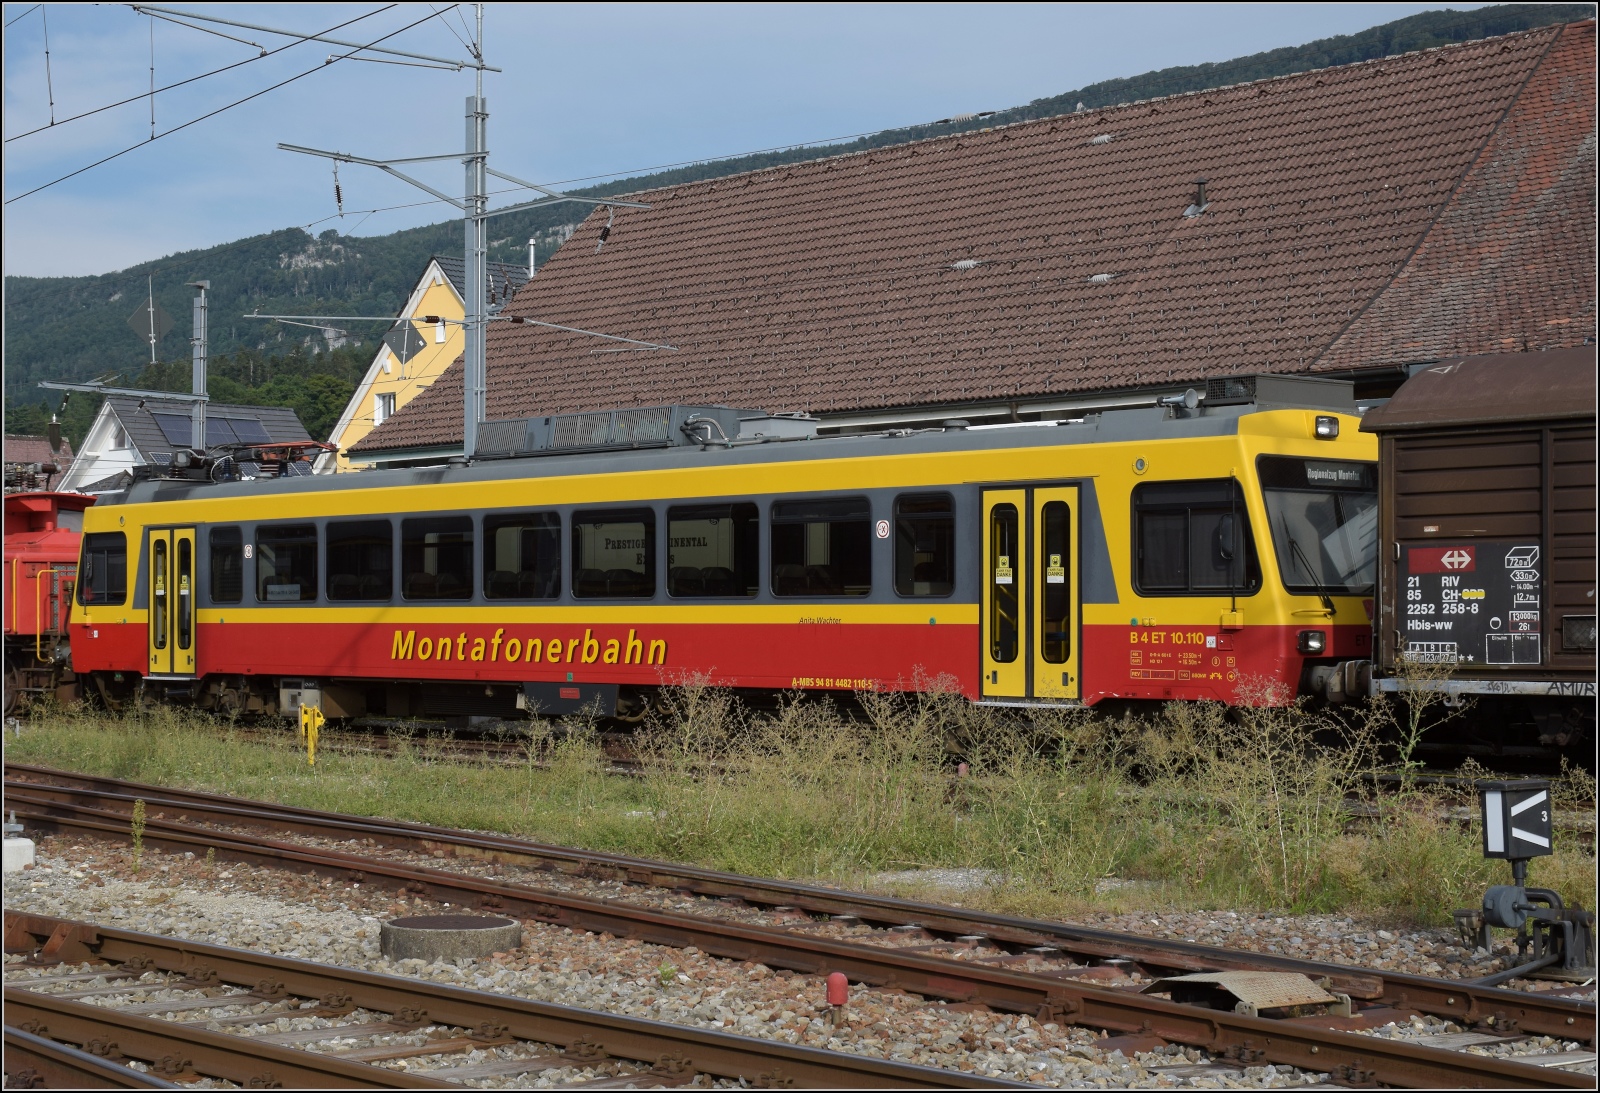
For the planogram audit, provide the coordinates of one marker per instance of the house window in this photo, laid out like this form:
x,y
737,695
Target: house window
x,y
382,408
119,438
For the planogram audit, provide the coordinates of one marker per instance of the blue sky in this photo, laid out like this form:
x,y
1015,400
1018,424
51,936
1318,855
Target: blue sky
x,y
586,90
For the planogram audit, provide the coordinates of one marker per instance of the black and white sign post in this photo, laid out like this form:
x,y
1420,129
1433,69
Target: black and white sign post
x,y
1517,826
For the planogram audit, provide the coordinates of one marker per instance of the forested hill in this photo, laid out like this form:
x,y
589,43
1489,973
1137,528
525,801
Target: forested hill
x,y
77,327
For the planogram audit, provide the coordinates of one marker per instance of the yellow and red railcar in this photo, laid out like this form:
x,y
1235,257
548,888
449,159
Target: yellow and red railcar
x,y
1190,549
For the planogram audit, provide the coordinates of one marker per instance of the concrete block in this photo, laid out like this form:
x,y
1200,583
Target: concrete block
x,y
18,854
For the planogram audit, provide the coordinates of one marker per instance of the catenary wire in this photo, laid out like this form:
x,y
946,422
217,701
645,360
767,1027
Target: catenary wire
x,y
222,109
190,80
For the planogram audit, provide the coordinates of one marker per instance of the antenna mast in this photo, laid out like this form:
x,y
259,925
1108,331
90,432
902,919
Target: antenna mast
x,y
475,213
474,362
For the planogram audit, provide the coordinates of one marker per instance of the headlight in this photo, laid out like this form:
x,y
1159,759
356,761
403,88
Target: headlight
x,y
1327,427
1312,642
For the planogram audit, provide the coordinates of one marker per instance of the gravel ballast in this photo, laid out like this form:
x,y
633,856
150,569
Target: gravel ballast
x,y
335,923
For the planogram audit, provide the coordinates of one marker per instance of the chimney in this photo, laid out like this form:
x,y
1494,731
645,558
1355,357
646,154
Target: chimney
x,y
530,259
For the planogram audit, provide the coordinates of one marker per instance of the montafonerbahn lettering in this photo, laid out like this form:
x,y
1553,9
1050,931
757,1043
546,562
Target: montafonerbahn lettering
x,y
438,645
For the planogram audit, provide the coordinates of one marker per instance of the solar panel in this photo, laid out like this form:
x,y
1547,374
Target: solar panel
x,y
176,428
249,430
219,432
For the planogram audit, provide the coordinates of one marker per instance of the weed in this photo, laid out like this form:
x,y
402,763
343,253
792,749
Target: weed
x,y
137,828
667,974
1191,806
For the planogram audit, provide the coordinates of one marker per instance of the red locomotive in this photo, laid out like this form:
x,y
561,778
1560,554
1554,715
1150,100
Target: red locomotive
x,y
43,531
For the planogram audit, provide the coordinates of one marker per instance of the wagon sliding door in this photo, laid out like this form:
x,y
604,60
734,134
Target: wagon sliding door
x,y
1030,594
171,632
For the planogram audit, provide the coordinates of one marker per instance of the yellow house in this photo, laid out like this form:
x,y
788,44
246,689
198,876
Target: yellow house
x,y
402,368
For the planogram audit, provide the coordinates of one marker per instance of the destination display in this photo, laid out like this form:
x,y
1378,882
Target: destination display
x,y
1471,603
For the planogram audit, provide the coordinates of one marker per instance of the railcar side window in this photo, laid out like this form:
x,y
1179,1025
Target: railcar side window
x,y
103,573
436,558
1193,538
924,545
822,547
286,563
614,554
713,550
360,560
522,556
227,565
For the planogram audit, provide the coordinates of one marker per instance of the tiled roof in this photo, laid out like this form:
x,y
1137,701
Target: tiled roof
x,y
36,449
1510,264
1053,256
504,280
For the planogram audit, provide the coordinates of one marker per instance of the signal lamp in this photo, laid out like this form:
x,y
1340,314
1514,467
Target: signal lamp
x,y
1312,642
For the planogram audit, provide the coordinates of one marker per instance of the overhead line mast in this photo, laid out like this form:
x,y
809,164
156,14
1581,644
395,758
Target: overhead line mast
x,y
474,206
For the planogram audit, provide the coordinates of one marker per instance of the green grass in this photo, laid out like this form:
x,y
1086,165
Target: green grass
x,y
1199,807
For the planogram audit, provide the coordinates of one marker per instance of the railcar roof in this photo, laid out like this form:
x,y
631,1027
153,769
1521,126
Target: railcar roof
x,y
1152,423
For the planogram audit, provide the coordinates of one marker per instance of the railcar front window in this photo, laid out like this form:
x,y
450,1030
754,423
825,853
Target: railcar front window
x,y
1324,518
613,554
286,563
713,550
103,574
822,547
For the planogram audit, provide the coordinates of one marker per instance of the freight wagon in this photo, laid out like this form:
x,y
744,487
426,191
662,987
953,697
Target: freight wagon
x,y
1487,570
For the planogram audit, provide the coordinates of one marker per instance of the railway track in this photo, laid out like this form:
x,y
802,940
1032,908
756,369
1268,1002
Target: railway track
x,y
1051,969
430,1026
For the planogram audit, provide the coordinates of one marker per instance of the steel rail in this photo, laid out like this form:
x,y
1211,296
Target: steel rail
x,y
184,1051
35,1061
586,1034
1224,1034
1453,1000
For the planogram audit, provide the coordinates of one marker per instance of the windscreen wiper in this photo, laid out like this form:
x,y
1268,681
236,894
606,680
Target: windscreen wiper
x,y
1322,589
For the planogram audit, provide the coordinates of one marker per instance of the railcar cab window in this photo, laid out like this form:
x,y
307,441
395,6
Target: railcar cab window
x,y
614,554
227,565
522,556
1323,514
713,550
436,558
822,547
924,545
286,563
103,574
360,560
1193,538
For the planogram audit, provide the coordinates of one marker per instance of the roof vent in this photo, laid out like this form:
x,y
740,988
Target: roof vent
x,y
1100,138
1101,278
967,263
1200,203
